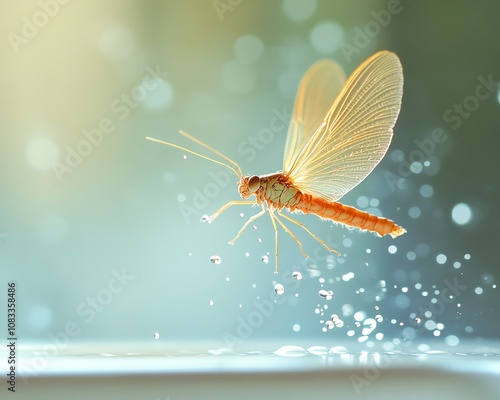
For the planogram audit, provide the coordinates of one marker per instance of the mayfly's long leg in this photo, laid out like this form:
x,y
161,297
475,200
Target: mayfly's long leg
x,y
271,214
250,220
309,232
227,205
291,234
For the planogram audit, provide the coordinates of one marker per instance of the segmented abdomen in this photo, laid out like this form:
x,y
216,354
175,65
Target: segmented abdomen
x,y
347,215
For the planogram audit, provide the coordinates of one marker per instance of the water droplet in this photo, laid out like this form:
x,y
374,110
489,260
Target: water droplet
x,y
326,294
156,335
297,275
279,289
329,324
265,259
206,218
211,303
215,260
259,240
296,327
379,318
291,351
418,320
335,317
184,157
366,264
357,324
254,227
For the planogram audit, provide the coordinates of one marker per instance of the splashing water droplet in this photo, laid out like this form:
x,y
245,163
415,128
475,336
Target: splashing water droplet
x,y
379,318
329,324
291,351
156,335
326,294
206,218
265,259
211,303
279,289
215,260
297,275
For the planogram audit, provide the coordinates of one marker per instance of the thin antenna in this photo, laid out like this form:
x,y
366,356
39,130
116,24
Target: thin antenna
x,y
200,155
213,150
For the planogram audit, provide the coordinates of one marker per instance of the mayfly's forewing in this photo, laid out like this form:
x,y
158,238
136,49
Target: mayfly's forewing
x,y
356,132
317,90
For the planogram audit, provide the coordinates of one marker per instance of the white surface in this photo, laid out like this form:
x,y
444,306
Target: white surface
x,y
291,372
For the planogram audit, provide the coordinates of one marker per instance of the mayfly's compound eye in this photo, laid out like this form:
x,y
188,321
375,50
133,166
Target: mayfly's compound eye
x,y
253,184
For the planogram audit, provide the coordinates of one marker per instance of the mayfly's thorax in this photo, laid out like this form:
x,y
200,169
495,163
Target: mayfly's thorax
x,y
278,192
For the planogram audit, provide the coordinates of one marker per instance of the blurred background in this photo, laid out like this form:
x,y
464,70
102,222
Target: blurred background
x,y
101,229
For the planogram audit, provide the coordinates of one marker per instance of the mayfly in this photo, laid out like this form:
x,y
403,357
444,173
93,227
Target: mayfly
x,y
339,131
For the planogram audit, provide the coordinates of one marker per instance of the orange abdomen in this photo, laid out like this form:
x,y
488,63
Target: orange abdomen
x,y
349,216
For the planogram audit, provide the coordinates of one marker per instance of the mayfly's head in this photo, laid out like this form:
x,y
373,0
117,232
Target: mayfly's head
x,y
248,185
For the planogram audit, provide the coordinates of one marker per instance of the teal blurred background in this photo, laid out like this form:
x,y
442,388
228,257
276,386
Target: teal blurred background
x,y
102,229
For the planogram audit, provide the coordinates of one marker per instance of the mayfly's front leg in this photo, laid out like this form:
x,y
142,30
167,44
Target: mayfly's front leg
x,y
309,232
250,220
227,205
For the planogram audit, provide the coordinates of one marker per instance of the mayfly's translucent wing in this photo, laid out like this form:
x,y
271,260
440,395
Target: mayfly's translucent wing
x,y
355,133
317,90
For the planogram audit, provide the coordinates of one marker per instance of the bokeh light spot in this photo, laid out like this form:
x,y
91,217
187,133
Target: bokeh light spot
x,y
41,153
461,214
326,37
299,10
248,49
